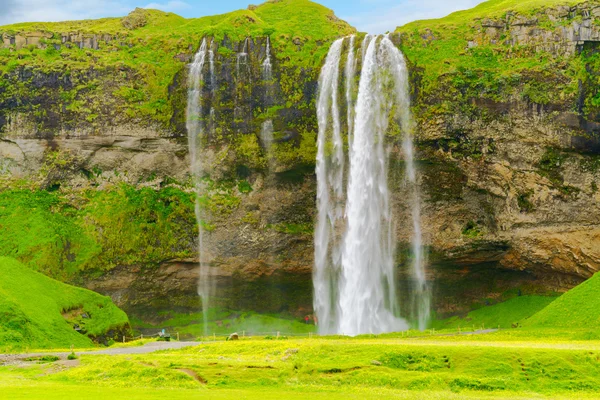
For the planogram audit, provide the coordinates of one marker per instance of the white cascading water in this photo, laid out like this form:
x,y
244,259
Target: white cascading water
x,y
242,58
266,133
349,73
195,131
330,195
354,276
420,295
213,76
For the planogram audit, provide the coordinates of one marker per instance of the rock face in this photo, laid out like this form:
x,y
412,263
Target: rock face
x,y
510,193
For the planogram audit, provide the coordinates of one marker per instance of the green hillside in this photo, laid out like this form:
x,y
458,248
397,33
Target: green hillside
x,y
141,53
578,308
39,312
502,315
460,58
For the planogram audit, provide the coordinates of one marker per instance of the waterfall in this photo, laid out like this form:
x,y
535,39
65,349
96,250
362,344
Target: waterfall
x,y
349,77
267,68
330,173
267,126
242,58
354,275
420,295
213,77
195,131
266,133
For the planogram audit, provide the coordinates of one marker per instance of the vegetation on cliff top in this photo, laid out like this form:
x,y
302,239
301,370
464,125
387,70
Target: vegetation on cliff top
x,y
145,51
460,61
37,311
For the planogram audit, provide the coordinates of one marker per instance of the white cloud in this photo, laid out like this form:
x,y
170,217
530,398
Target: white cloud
x,y
59,10
173,5
385,17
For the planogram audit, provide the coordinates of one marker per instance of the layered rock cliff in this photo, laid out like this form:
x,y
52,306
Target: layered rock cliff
x,y
92,138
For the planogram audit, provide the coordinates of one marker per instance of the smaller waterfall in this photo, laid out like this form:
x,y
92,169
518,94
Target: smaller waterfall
x,y
212,122
267,126
365,44
267,68
213,76
242,58
195,131
420,295
266,134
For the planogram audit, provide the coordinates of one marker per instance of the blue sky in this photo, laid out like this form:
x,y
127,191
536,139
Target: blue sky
x,y
374,16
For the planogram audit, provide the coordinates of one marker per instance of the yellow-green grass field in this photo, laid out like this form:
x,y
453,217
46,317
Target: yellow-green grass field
x,y
508,364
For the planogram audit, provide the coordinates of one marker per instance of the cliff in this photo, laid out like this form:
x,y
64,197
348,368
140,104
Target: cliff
x,y
92,140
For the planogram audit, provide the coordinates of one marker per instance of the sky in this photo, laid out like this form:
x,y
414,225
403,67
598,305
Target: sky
x,y
373,16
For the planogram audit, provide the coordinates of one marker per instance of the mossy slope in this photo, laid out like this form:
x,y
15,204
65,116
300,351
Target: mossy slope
x,y
32,307
578,308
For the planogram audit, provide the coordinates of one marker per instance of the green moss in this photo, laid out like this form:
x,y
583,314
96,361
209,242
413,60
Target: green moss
x,y
472,230
524,202
67,233
293,229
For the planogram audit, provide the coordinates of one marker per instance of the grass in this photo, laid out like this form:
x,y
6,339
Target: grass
x,y
578,308
32,308
327,368
503,315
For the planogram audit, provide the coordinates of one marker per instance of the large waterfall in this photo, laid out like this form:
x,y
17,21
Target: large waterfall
x,y
195,130
354,275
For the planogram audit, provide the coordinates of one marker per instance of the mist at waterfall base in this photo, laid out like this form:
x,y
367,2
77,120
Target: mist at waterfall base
x,y
354,274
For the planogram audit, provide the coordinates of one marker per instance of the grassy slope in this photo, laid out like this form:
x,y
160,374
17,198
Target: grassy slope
x,y
501,315
31,305
150,51
578,308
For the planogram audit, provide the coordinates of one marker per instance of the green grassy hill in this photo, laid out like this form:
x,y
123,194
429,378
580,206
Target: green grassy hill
x,y
39,312
502,315
577,309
